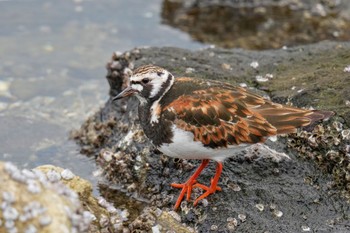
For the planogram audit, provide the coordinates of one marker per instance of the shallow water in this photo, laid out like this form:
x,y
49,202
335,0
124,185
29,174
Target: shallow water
x,y
52,71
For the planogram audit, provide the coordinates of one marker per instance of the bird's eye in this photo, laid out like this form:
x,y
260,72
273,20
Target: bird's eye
x,y
145,80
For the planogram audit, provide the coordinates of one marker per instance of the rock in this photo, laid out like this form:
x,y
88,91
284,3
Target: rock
x,y
301,193
257,24
156,220
30,202
104,215
52,199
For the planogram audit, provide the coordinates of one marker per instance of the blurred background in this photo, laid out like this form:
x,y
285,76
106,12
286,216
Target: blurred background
x,y
53,53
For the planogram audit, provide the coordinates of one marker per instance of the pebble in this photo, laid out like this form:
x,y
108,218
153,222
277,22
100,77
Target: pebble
x,y
29,174
254,64
214,227
175,215
234,187
33,186
226,66
261,79
45,220
67,174
53,176
116,65
10,214
189,70
205,202
102,202
88,215
14,172
30,229
155,229
347,103
305,228
8,197
124,215
242,217
260,207
278,213
127,71
41,177
111,209
10,224
338,126
104,221
347,68
345,134
107,155
118,54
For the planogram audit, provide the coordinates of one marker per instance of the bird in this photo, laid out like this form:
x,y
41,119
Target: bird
x,y
194,118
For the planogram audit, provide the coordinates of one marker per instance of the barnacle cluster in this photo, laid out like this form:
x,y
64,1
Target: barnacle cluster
x,y
32,201
329,146
157,220
102,129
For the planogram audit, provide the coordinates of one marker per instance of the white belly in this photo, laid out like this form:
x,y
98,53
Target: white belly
x,y
185,147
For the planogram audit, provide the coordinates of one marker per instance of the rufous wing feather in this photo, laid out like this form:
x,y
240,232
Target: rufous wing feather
x,y
219,117
287,119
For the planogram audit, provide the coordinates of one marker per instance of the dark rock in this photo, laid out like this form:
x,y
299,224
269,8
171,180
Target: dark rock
x,y
257,24
286,196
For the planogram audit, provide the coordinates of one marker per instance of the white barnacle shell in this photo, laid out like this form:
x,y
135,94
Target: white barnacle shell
x,y
67,174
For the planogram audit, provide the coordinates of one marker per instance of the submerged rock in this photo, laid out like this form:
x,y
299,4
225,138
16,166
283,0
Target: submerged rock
x,y
290,193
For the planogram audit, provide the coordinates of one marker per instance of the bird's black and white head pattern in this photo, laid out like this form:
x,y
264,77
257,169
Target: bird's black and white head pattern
x,y
150,83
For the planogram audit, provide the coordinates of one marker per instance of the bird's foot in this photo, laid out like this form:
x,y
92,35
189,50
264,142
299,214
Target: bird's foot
x,y
187,189
208,190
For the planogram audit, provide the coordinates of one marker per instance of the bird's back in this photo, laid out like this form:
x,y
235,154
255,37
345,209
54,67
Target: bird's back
x,y
219,114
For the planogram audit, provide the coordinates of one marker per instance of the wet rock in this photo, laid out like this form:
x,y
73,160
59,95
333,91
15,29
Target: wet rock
x,y
299,189
256,24
156,220
52,207
103,215
57,205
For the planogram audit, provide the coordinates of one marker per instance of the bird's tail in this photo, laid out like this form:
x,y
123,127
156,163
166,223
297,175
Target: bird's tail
x,y
288,119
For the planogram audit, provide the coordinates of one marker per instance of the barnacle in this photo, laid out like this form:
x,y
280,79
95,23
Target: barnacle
x,y
329,146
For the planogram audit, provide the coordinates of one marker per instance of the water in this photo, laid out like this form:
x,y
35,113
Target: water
x,y
52,71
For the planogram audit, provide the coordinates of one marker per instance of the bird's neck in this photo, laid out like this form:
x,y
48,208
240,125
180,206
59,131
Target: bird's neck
x,y
154,126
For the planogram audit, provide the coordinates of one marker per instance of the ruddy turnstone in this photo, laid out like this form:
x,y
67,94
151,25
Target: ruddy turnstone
x,y
191,118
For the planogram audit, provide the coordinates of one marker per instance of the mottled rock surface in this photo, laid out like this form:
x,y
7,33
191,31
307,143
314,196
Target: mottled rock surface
x,y
258,193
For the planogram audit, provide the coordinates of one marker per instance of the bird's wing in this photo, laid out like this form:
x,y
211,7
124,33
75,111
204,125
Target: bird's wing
x,y
220,117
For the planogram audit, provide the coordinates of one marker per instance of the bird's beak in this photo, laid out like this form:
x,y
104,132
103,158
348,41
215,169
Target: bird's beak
x,y
126,92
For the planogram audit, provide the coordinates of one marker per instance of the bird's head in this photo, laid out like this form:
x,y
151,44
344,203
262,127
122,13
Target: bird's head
x,y
148,83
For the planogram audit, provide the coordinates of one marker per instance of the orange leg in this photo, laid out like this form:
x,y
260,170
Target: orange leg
x,y
187,187
213,186
191,183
